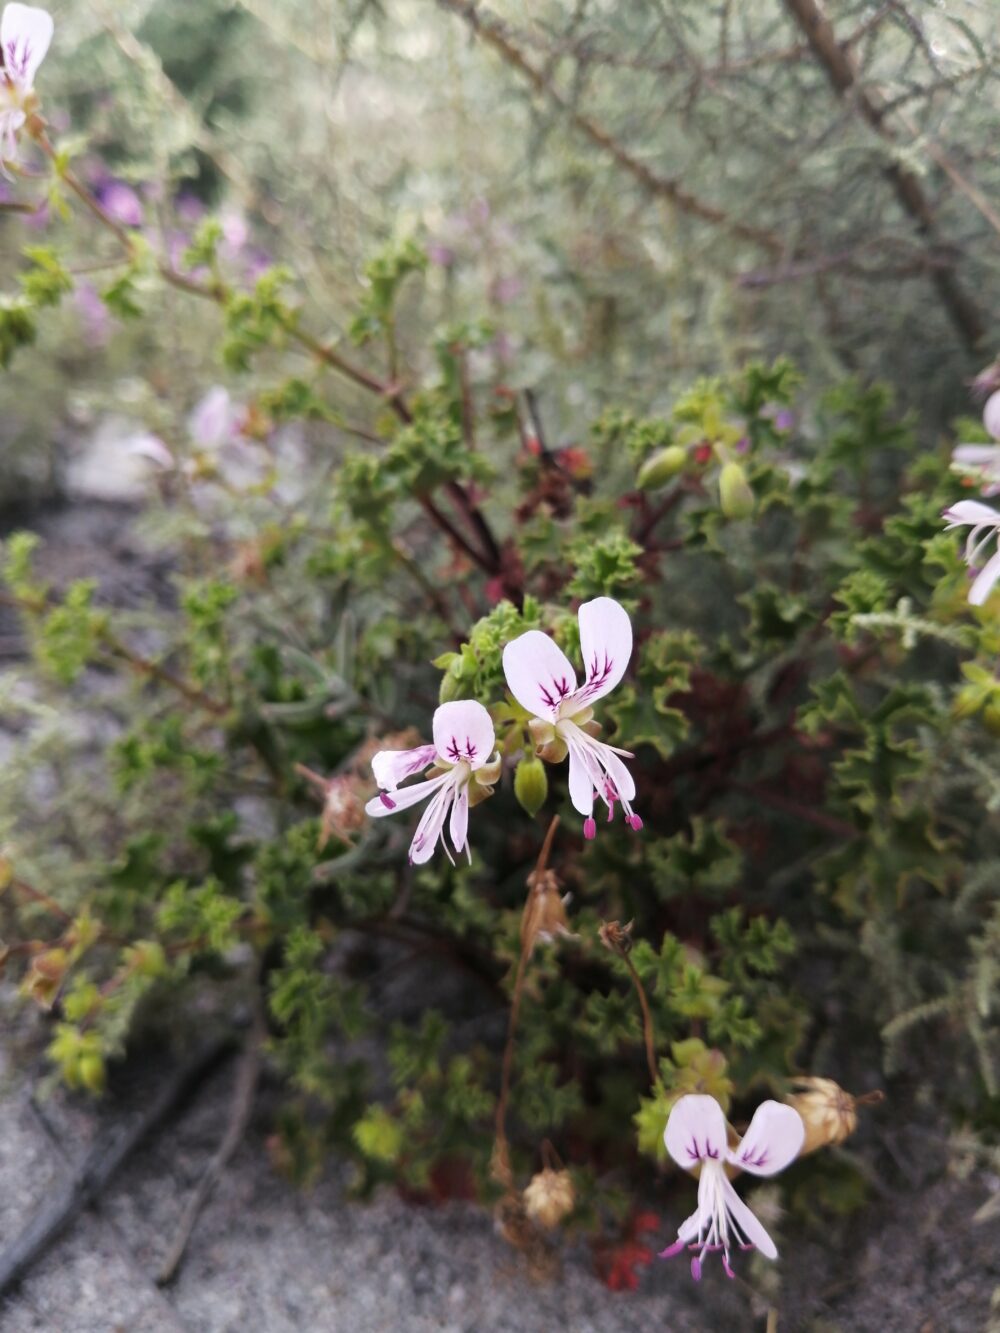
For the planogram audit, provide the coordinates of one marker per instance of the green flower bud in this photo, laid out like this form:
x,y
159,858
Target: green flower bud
x,y
660,467
531,785
735,492
450,688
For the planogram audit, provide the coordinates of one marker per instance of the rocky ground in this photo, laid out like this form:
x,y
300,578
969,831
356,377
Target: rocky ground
x,y
269,1259
265,1258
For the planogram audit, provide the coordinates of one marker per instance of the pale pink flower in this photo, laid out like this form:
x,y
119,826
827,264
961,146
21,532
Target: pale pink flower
x,y
215,419
25,35
465,767
981,462
984,523
543,681
696,1137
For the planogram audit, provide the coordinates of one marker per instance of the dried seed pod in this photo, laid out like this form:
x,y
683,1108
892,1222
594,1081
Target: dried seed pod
x,y
549,1197
828,1112
544,916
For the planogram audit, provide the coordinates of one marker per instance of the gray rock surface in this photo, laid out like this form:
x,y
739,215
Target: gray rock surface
x,y
268,1259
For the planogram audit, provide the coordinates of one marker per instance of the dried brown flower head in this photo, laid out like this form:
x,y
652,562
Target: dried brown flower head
x,y
616,937
549,1197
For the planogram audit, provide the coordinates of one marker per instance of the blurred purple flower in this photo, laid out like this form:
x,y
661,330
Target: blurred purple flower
x,y
505,290
94,314
121,202
189,209
440,254
235,232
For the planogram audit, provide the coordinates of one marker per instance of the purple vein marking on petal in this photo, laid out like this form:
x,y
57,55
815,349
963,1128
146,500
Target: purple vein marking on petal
x,y
597,674
559,690
387,801
17,64
692,1150
750,1160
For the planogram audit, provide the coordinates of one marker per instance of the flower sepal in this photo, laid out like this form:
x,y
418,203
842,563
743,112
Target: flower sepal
x,y
549,747
489,774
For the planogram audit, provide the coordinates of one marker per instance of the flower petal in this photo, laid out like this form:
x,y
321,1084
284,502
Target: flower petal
x,y
391,767
774,1139
991,415
428,831
459,826
623,781
606,645
581,779
25,35
971,511
983,585
696,1130
747,1222
378,807
463,730
977,455
539,674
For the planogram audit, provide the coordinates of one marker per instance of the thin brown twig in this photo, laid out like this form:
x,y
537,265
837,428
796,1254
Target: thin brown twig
x,y
618,939
494,34
42,899
795,809
502,1170
241,1108
488,558
841,72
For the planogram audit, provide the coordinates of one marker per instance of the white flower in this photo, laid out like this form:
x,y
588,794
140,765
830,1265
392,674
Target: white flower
x,y
463,759
981,462
985,525
696,1136
25,34
542,680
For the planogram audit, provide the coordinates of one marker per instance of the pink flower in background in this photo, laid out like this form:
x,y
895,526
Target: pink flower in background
x,y
985,525
215,419
543,681
121,202
94,314
25,36
464,745
189,208
235,232
696,1137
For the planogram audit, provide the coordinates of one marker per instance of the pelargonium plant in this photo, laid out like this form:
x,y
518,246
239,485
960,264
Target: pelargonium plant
x,y
771,632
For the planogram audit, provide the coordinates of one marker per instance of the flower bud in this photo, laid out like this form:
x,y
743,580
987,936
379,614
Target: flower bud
x,y
549,1197
531,785
450,688
660,467
735,493
828,1112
